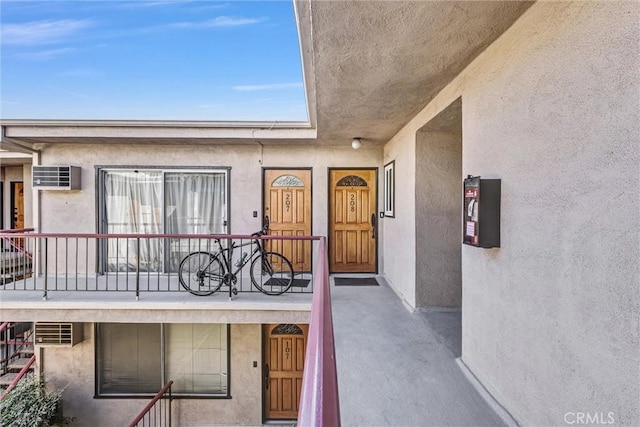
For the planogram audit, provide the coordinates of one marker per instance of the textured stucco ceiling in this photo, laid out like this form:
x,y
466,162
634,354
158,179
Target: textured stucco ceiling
x,y
369,67
377,63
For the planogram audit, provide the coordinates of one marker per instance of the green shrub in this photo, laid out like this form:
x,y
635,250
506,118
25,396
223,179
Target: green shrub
x,y
30,405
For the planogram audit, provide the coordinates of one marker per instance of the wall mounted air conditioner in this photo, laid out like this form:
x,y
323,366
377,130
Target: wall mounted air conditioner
x,y
58,334
56,177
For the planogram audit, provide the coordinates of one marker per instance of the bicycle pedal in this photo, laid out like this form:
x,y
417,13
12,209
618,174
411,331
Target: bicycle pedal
x,y
235,291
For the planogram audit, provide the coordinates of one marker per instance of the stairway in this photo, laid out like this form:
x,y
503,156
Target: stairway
x,y
19,351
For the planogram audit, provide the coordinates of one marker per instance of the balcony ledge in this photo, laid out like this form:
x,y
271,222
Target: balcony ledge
x,y
174,307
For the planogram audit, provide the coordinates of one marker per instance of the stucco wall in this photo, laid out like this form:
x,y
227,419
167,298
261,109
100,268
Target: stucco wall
x,y
75,211
550,320
28,196
438,216
246,165
73,369
398,233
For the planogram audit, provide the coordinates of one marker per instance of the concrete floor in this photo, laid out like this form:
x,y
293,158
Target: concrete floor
x,y
397,368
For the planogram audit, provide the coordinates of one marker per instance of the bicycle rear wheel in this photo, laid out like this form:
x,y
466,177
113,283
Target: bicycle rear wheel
x,y
201,273
271,273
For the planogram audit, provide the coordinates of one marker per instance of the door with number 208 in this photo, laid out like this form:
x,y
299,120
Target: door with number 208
x,y
352,222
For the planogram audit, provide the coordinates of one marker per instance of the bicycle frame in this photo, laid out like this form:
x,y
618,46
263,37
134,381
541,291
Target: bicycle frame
x,y
203,272
226,255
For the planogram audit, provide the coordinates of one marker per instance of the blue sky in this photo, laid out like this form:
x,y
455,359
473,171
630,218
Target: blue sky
x,y
150,60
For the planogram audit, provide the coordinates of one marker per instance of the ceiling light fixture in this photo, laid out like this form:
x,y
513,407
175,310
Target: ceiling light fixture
x,y
356,143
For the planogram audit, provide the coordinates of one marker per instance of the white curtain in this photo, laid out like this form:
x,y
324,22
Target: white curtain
x,y
134,206
195,205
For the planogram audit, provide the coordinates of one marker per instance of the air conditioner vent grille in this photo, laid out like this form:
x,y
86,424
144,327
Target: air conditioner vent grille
x,y
56,177
63,334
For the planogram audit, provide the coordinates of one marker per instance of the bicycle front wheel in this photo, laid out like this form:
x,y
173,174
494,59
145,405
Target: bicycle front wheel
x,y
271,273
201,273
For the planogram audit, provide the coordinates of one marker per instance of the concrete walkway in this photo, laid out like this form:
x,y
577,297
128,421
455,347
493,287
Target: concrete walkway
x,y
396,368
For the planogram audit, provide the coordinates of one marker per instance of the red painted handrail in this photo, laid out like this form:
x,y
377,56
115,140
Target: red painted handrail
x,y
17,230
4,326
21,374
319,400
147,408
159,236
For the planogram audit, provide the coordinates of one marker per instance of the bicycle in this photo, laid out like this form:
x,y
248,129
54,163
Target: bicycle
x,y
202,273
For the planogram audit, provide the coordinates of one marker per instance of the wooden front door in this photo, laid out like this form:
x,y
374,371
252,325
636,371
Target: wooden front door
x,y
287,203
352,220
17,204
284,351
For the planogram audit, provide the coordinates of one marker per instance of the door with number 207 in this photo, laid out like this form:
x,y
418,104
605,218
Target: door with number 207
x,y
287,203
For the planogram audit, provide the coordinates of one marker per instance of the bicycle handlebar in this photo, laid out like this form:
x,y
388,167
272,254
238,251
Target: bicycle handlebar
x,y
264,230
261,232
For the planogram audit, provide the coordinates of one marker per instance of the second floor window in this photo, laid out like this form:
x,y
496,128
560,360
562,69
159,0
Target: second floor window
x,y
155,201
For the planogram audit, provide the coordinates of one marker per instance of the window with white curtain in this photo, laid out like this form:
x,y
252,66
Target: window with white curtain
x,y
136,359
155,201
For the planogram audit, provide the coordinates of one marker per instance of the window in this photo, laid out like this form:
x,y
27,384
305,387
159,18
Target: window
x,y
1,205
154,201
389,189
129,359
140,358
196,358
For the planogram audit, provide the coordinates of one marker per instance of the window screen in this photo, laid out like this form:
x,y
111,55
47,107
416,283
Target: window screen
x,y
196,358
141,358
129,358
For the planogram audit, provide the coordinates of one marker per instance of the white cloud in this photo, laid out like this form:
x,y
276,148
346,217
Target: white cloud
x,y
44,55
42,32
216,6
219,22
272,86
145,4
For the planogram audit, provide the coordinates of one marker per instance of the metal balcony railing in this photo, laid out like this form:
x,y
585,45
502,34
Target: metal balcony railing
x,y
16,259
26,369
15,339
87,262
142,262
319,400
157,413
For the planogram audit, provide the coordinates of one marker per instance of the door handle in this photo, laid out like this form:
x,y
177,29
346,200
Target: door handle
x,y
266,376
373,225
